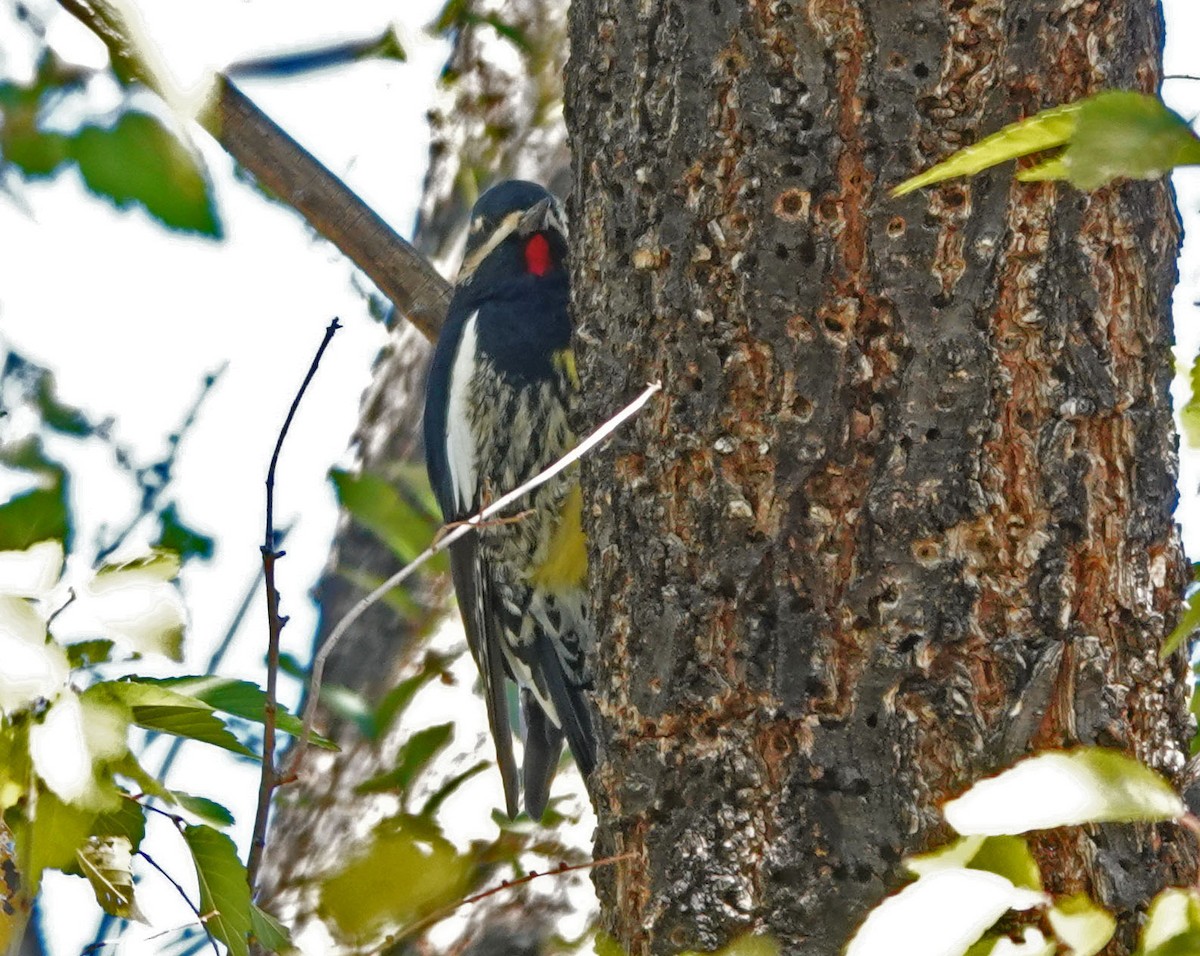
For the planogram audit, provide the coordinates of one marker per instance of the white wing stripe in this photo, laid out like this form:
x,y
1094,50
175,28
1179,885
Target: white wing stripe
x,y
460,439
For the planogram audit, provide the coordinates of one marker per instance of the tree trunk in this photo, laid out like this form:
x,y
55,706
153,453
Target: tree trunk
x,y
904,509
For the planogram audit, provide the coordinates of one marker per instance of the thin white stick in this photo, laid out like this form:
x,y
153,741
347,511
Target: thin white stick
x,y
459,529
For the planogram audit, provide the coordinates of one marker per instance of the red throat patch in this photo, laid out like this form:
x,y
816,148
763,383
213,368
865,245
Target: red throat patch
x,y
537,254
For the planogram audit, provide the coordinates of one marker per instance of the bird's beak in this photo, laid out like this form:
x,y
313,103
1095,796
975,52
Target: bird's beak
x,y
535,219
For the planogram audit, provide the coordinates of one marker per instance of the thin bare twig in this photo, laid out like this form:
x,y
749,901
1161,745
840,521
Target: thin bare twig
x,y
450,909
269,779
180,890
442,540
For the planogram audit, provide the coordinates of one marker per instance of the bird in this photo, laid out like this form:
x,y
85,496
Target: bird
x,y
501,387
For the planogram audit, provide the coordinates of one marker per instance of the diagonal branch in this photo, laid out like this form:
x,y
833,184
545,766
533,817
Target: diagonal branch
x,y
292,174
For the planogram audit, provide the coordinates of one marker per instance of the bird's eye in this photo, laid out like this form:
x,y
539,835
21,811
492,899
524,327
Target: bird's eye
x,y
476,224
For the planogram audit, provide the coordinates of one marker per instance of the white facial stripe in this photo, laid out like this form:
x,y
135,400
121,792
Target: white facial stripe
x,y
558,218
460,441
503,231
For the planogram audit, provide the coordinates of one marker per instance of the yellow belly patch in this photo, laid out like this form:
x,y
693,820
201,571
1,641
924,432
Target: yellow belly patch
x,y
565,565
564,360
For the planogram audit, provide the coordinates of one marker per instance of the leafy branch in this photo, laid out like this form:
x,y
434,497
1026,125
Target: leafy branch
x,y
290,172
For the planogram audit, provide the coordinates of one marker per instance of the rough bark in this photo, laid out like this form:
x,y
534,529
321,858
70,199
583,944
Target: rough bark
x,y
904,510
495,120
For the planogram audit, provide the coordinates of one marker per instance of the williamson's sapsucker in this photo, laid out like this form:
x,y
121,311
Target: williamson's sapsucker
x,y
496,413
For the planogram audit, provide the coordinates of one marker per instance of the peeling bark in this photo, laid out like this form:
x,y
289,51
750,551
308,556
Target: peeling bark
x,y
904,510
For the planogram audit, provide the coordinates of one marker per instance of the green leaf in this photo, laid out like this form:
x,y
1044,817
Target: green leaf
x,y
157,567
405,874
139,605
107,862
161,709
752,945
1064,788
88,653
917,919
50,839
223,889
178,537
350,706
1107,136
16,766
240,698
128,767
39,514
439,796
605,945
56,415
1044,130
1085,927
138,161
1006,856
1189,415
1172,926
1189,620
377,506
207,810
413,757
396,701
1124,134
127,821
1032,942
23,144
270,934
1009,857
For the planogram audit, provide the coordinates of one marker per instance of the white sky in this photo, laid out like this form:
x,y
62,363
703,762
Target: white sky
x,y
130,318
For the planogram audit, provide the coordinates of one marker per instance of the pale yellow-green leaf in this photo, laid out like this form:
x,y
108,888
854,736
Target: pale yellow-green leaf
x,y
942,914
1127,134
1064,788
16,768
1011,858
1172,926
1189,415
1110,135
50,839
401,877
31,573
32,668
147,617
15,901
1082,925
605,945
128,767
73,742
107,862
954,855
755,945
1054,168
1189,620
1045,130
137,604
1007,856
1032,942
153,568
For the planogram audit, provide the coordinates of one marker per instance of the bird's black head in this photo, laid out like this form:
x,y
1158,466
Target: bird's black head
x,y
517,228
